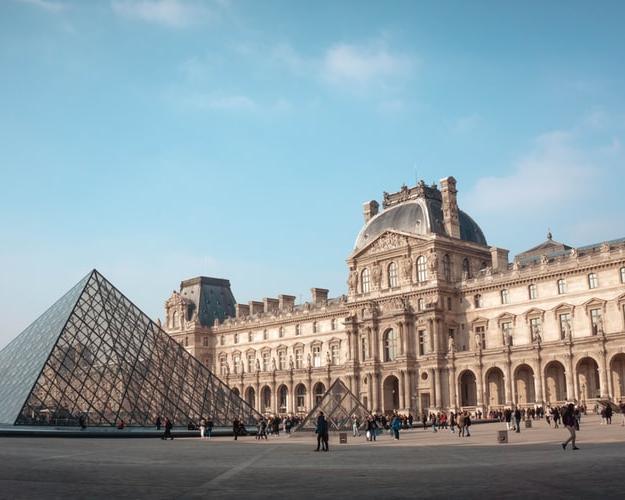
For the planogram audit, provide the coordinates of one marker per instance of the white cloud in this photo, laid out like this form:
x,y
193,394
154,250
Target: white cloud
x,y
360,65
553,174
47,5
169,13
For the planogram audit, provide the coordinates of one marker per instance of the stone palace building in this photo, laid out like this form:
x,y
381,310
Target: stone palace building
x,y
434,318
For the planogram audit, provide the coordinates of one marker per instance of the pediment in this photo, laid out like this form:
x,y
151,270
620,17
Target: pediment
x,y
480,320
534,311
388,240
563,307
595,302
503,317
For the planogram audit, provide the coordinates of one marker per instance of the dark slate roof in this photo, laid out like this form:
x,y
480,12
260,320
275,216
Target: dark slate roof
x,y
553,249
421,216
212,296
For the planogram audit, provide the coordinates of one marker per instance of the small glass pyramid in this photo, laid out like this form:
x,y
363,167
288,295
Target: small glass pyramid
x,y
94,355
339,405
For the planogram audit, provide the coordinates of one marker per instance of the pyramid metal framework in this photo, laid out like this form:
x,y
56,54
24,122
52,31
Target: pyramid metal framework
x,y
95,355
339,405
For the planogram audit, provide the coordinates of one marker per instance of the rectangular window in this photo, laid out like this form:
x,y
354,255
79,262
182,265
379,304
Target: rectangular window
x,y
565,325
535,328
282,360
205,341
334,350
622,271
299,358
561,287
449,303
363,348
532,292
421,342
316,352
593,281
236,361
250,363
595,320
266,361
506,330
505,296
481,334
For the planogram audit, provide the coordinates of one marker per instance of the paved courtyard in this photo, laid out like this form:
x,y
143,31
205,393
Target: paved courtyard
x,y
421,464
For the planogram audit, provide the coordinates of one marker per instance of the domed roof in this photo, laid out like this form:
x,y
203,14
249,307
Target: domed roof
x,y
419,216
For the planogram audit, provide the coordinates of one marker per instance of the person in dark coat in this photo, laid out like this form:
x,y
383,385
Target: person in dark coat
x,y
517,419
236,427
322,432
158,423
168,428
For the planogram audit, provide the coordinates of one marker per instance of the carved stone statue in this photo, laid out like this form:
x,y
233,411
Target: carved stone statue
x,y
573,253
478,342
328,358
434,264
600,326
352,281
568,334
516,265
544,260
273,364
451,344
376,275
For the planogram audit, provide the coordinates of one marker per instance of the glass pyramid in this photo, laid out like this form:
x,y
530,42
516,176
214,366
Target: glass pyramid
x,y
339,405
95,355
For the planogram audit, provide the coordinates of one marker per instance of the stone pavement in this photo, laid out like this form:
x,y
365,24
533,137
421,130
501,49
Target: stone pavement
x,y
420,464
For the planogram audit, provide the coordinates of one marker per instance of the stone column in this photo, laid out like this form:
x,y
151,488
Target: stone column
x,y
509,392
370,393
408,390
375,380
402,390
571,387
538,378
311,396
453,396
480,386
291,396
274,397
257,398
375,342
603,379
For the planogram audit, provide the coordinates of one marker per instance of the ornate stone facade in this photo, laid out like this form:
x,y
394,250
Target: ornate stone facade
x,y
434,319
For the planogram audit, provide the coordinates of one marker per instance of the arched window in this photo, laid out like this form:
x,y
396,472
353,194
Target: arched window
x,y
466,268
447,267
477,300
532,292
223,367
505,296
622,271
422,269
300,397
392,275
390,345
364,281
175,320
561,286
593,282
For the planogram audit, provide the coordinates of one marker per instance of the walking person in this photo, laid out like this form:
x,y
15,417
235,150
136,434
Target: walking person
x,y
203,428
461,422
568,419
209,428
168,427
517,419
355,430
236,427
322,432
467,424
372,428
452,422
158,423
395,426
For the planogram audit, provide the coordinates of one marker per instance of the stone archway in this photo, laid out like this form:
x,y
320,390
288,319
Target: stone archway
x,y
390,389
265,399
524,385
495,392
468,388
319,391
588,379
555,383
617,372
250,397
283,399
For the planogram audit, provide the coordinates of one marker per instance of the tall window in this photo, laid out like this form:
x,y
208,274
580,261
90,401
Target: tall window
x,y
175,320
266,361
314,327
333,324
466,268
390,345
447,267
282,360
299,358
593,282
392,275
281,332
316,354
506,330
364,281
565,324
449,304
250,362
622,273
300,397
505,296
236,338
298,329
420,305
421,337
250,336
561,286
364,347
595,320
236,361
422,269
186,341
205,341
223,367
481,336
532,292
335,354
477,301
222,340
283,395
264,334
535,327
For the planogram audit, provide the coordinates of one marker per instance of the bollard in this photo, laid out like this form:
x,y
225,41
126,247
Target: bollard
x,y
342,437
502,436
528,424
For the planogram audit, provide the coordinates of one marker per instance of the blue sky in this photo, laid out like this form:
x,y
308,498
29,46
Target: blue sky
x,y
157,140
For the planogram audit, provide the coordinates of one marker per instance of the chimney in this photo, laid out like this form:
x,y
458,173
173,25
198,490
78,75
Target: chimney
x,y
450,207
270,305
370,209
499,259
241,310
256,307
286,302
319,296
